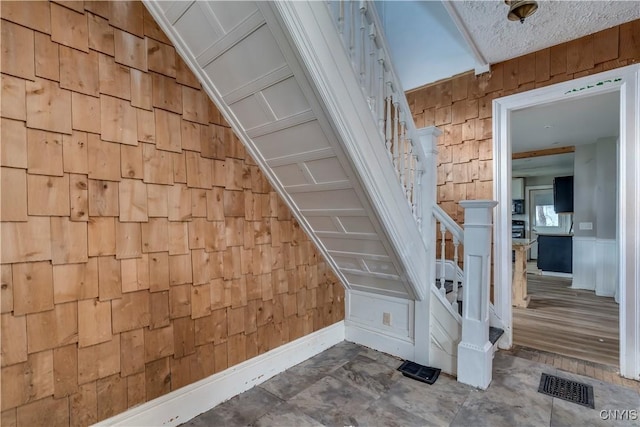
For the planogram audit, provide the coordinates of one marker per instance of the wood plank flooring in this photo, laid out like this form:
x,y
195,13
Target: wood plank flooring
x,y
597,371
569,322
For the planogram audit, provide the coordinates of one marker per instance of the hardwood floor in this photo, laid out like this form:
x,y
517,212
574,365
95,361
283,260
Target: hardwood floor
x,y
576,366
570,322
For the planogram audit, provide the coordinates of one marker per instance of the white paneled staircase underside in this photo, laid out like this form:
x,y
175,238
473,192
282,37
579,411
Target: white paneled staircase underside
x,y
251,68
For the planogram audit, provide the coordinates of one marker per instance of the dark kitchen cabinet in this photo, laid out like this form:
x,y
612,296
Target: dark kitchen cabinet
x,y
555,253
563,194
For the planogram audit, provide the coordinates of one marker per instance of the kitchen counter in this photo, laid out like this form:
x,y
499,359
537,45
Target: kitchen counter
x,y
519,297
522,242
555,234
555,252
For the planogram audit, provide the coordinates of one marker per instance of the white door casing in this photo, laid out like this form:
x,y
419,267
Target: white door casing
x,y
626,81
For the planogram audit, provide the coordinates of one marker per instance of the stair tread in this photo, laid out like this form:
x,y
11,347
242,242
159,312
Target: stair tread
x,y
495,334
448,285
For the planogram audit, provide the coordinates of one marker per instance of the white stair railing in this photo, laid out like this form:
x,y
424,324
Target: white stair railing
x,y
361,33
362,37
448,227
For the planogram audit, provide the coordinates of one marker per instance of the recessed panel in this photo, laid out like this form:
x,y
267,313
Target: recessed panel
x,y
294,140
348,262
290,175
253,57
354,246
326,170
250,113
332,199
375,282
322,223
231,13
383,267
357,224
286,98
369,309
193,24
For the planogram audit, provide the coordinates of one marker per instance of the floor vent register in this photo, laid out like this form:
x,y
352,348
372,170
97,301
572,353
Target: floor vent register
x,y
569,390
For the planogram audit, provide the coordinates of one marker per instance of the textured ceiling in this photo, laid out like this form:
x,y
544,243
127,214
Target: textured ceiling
x,y
433,40
561,124
499,39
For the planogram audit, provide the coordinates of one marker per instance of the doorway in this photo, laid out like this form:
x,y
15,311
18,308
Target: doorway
x,y
624,81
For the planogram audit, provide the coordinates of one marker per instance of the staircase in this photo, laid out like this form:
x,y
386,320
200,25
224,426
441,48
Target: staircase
x,y
310,90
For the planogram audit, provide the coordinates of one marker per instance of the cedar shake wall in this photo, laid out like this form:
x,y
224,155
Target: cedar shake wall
x,y
462,106
142,249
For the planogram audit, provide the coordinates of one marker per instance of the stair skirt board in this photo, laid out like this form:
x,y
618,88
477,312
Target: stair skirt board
x,y
274,107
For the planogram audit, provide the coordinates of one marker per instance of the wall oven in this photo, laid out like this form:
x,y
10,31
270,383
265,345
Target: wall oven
x,y
517,229
517,207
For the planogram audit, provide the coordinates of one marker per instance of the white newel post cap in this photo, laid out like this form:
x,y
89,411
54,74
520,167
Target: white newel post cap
x,y
477,212
427,140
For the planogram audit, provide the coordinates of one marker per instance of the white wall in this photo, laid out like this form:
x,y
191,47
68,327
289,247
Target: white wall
x,y
595,204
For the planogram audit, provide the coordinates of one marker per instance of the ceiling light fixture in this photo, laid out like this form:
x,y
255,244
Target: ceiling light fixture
x,y
521,9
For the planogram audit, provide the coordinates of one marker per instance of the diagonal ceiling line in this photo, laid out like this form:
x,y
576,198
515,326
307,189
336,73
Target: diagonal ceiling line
x,y
482,64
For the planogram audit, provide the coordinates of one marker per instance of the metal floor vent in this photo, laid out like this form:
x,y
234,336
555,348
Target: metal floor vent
x,y
569,390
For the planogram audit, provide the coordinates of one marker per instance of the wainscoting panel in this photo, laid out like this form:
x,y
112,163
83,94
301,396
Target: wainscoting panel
x,y
584,263
607,267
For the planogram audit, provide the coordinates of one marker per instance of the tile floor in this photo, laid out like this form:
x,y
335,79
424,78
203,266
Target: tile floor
x,y
351,385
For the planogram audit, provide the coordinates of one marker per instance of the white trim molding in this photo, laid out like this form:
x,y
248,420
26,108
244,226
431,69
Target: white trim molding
x,y
626,82
381,322
183,404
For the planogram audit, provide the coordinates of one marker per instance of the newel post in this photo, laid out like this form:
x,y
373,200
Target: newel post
x,y
475,350
426,148
425,142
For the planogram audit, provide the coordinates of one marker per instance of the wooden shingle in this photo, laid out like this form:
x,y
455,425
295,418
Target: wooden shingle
x,y
69,241
79,71
14,194
18,51
95,326
52,328
44,153
73,282
47,57
13,104
69,28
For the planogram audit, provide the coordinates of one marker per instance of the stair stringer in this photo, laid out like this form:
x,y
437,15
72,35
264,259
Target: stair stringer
x,y
326,160
445,334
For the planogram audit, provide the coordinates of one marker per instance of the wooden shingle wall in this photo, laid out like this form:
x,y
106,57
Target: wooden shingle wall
x,y
462,106
142,249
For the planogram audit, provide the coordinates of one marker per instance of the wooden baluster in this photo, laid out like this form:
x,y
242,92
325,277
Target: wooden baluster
x,y
443,231
403,163
388,123
454,303
380,95
396,133
417,212
414,184
414,175
402,149
341,18
373,105
352,31
363,52
409,181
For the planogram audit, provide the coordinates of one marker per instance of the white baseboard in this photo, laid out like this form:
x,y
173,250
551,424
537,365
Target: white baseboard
x,y
379,341
556,274
183,404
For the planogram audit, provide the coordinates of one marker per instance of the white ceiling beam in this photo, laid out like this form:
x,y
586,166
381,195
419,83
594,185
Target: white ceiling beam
x,y
482,66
